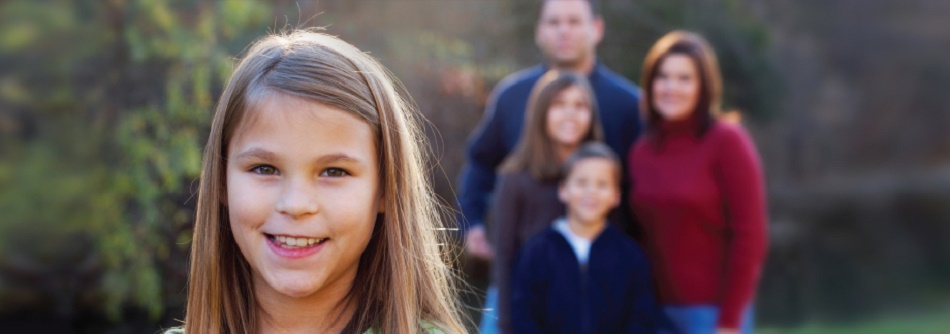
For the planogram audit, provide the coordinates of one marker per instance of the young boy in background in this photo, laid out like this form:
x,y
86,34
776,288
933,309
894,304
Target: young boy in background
x,y
582,275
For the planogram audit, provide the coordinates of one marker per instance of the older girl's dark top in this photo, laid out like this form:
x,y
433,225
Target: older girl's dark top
x,y
523,207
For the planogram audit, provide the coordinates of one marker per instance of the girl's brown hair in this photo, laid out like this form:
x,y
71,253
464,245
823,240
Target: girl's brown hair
x,y
402,279
535,152
698,49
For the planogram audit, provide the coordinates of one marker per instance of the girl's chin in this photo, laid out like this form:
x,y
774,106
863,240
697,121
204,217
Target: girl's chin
x,y
297,291
296,287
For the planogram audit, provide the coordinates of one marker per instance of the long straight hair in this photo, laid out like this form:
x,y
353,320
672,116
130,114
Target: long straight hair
x,y
695,47
402,279
535,152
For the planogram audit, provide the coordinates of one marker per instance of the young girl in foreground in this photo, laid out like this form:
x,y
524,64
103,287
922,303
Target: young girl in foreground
x,y
314,213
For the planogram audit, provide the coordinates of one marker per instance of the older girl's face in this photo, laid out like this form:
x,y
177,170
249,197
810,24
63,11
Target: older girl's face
x,y
569,116
302,195
676,87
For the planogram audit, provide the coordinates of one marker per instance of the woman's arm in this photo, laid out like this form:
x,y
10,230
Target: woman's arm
x,y
741,180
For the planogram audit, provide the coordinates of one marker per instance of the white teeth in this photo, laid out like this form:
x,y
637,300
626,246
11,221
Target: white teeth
x,y
291,242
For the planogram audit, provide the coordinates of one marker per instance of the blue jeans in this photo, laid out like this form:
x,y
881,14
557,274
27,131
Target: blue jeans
x,y
702,319
489,323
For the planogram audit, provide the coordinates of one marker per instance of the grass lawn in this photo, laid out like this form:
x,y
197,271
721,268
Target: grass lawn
x,y
935,323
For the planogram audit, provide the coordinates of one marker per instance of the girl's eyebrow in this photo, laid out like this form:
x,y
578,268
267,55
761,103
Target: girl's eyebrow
x,y
337,158
262,154
257,153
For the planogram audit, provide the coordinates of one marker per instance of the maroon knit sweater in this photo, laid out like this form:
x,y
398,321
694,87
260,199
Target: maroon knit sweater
x,y
700,202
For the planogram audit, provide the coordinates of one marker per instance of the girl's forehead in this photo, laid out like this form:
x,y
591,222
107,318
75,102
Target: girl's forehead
x,y
276,108
282,117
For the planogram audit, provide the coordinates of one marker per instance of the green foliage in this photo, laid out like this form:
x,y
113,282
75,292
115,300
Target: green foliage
x,y
121,94
740,38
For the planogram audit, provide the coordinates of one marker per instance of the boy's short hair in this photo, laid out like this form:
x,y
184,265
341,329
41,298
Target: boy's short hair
x,y
591,150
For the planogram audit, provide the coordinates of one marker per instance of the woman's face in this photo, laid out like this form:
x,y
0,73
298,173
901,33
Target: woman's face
x,y
676,87
569,116
302,196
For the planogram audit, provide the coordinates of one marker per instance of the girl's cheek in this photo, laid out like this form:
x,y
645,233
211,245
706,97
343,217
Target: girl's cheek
x,y
585,117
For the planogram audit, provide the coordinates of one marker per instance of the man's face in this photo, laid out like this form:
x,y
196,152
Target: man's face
x,y
568,32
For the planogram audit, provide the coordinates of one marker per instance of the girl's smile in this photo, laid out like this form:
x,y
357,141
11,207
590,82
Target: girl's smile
x,y
294,247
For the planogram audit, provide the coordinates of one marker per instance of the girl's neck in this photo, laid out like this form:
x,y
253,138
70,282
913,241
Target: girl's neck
x,y
321,312
563,151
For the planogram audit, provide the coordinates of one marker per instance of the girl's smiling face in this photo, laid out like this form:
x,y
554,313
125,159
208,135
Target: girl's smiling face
x,y
302,195
569,117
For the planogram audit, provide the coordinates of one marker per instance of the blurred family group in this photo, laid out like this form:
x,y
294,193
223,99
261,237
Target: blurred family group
x,y
605,207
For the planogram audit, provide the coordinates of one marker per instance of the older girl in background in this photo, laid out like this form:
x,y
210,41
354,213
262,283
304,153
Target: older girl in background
x,y
697,192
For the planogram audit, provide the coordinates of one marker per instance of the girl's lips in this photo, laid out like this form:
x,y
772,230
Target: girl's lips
x,y
295,253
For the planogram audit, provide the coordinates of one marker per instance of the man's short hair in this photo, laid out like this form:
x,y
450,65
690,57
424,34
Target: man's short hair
x,y
594,6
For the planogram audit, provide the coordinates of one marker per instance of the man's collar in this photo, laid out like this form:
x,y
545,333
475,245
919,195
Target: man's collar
x,y
594,71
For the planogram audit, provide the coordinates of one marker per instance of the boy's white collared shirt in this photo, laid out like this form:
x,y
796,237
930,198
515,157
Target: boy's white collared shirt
x,y
580,245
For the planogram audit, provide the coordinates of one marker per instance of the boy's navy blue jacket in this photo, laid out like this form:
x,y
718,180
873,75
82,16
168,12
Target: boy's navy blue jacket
x,y
552,293
500,129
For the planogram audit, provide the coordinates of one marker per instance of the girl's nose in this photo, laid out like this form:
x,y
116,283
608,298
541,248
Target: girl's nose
x,y
298,201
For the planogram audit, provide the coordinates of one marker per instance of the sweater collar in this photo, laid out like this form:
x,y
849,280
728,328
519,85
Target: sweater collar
x,y
689,126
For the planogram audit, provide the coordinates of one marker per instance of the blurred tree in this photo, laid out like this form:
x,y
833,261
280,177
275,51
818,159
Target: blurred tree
x,y
107,104
741,40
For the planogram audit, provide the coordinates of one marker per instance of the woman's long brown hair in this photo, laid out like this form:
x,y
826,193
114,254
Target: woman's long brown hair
x,y
535,152
403,278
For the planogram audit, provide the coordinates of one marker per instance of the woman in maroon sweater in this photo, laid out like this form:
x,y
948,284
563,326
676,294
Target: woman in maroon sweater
x,y
697,192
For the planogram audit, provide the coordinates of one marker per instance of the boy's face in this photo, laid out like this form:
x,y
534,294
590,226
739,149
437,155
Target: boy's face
x,y
590,190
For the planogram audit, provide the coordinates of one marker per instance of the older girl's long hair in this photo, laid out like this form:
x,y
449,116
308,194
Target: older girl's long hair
x,y
703,56
402,278
535,152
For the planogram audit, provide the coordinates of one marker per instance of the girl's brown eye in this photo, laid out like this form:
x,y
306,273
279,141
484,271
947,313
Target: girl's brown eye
x,y
264,170
334,172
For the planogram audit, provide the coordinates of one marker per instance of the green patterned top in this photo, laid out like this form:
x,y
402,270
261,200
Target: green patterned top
x,y
427,328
